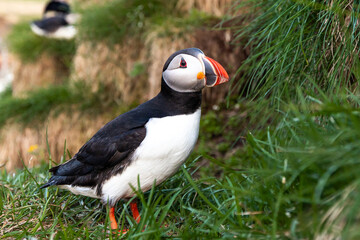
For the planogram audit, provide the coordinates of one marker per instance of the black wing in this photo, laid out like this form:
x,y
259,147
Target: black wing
x,y
109,150
51,24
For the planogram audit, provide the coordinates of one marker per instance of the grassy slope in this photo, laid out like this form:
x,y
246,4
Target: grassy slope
x,y
295,177
280,182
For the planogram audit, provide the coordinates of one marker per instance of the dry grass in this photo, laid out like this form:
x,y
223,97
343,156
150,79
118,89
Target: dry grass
x,y
85,3
111,67
29,143
29,76
214,7
334,220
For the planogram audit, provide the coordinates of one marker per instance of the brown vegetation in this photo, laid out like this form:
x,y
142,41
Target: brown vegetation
x,y
44,72
214,7
28,144
111,67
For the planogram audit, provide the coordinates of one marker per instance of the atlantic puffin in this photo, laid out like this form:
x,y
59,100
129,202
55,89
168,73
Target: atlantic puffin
x,y
149,143
57,21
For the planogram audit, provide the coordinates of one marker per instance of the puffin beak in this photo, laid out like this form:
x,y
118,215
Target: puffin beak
x,y
215,74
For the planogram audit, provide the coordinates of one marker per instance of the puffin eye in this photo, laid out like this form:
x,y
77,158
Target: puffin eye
x,y
183,63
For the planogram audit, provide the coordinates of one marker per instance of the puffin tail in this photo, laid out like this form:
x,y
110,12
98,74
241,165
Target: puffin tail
x,y
52,181
57,180
68,172
48,184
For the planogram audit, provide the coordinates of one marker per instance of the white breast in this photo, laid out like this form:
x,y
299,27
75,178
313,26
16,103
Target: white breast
x,y
167,144
63,32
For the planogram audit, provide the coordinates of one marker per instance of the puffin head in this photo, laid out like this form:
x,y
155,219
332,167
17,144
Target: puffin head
x,y
189,70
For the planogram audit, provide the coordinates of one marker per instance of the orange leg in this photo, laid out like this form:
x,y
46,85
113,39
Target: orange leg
x,y
134,210
113,222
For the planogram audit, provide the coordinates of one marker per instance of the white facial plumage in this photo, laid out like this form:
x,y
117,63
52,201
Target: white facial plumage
x,y
182,73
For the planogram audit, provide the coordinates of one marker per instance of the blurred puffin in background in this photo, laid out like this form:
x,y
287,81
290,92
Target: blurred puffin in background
x,y
147,144
57,21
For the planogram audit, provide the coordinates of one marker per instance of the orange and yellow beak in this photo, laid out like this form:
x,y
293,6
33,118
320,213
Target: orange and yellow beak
x,y
215,74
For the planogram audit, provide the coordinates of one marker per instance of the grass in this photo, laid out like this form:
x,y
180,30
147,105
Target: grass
x,y
112,22
298,180
39,104
6,93
165,210
315,149
29,47
116,19
296,43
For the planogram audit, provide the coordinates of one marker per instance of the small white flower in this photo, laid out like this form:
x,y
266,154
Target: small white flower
x,y
215,107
